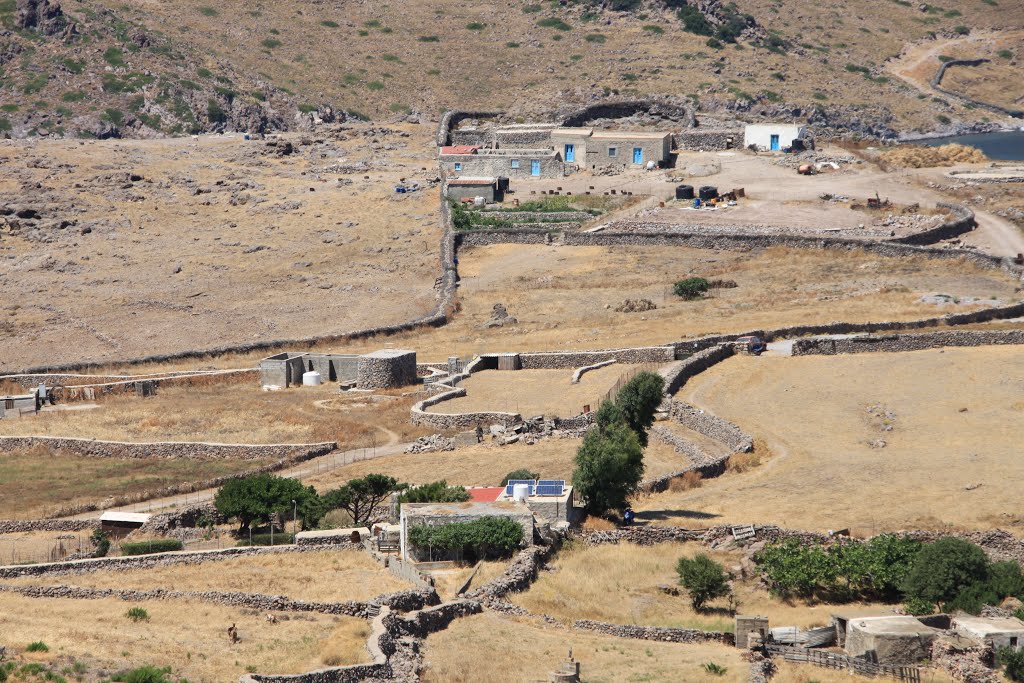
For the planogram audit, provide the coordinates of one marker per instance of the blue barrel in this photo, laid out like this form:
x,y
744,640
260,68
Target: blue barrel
x,y
696,202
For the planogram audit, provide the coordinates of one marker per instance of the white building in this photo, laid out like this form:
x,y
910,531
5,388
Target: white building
x,y
773,137
997,631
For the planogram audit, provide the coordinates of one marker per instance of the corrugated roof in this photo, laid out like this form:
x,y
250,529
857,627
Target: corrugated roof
x,y
460,149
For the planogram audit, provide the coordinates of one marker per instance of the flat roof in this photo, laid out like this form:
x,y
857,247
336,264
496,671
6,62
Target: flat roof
x,y
896,624
484,494
130,517
470,508
586,132
331,533
388,353
460,149
626,134
471,181
985,626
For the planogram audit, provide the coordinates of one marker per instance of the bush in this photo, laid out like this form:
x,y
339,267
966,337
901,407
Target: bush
x,y
208,11
429,39
943,119
114,56
215,112
691,288
715,669
638,400
598,38
137,614
703,578
555,23
267,539
944,569
37,646
476,26
609,465
101,540
270,43
519,474
163,545
483,538
693,19
435,492
114,116
919,607
1012,660
144,674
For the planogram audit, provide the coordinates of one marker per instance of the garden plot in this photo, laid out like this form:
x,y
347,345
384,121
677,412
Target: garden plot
x,y
949,420
503,649
189,637
323,576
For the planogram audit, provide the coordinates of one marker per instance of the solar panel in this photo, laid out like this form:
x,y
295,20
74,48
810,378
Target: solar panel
x,y
550,487
532,483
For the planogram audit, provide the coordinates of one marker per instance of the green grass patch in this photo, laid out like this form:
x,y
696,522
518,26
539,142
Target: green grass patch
x,y
114,56
391,58
529,9
75,66
270,43
208,11
429,39
9,108
476,26
329,24
654,29
73,96
203,72
160,545
598,38
375,85
555,23
5,124
307,108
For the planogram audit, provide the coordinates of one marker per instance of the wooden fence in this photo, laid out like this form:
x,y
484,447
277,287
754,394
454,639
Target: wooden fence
x,y
623,378
832,660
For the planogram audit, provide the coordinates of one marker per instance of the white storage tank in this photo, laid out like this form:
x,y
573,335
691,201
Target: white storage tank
x,y
311,379
520,492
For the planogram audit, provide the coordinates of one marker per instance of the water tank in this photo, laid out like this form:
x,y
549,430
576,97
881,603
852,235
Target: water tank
x,y
520,492
708,192
479,201
311,379
684,191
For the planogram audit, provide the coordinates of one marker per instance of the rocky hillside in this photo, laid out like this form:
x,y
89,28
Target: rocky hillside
x,y
93,72
137,67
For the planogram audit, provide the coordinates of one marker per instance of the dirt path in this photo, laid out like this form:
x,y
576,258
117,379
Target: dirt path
x,y
300,471
996,235
919,62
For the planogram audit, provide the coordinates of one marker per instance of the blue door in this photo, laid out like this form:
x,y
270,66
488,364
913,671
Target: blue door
x,y
775,143
638,155
535,167
570,153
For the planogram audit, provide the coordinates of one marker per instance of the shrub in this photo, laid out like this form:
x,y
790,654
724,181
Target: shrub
x,y
476,26
114,56
532,9
375,85
75,66
919,607
429,39
435,492
693,19
270,43
5,124
215,112
820,96
329,24
655,29
691,288
483,538
703,578
609,465
100,539
267,539
961,30
519,474
114,116
943,119
129,83
715,669
1012,661
555,23
1005,54
37,646
162,545
943,569
144,674
35,83
208,11
137,614
598,38
511,44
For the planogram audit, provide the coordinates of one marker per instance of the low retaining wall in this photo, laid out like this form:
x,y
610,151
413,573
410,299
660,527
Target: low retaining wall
x,y
556,360
679,373
711,426
448,421
963,221
708,466
940,74
485,237
15,526
184,450
664,635
517,577
897,343
587,368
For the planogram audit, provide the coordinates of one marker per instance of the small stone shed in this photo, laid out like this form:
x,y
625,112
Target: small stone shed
x,y
510,162
471,188
998,632
439,514
592,149
386,369
895,639
16,405
773,137
383,369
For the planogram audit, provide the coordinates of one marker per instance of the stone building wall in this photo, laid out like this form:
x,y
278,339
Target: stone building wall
x,y
386,369
704,140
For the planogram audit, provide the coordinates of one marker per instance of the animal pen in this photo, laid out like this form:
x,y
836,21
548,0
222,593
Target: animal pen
x,y
832,660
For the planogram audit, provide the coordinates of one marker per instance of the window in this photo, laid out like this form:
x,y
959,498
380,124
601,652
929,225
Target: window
x,y
515,163
1013,641
613,151
458,166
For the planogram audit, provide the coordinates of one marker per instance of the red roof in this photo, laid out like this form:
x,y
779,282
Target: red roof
x,y
485,494
471,181
460,149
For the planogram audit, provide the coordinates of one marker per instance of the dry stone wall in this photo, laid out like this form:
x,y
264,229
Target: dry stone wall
x,y
460,421
663,635
711,426
15,526
679,373
554,360
962,221
702,140
897,343
177,450
517,577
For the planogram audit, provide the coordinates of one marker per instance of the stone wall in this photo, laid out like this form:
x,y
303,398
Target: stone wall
x,y
483,238
459,421
15,526
534,216
962,221
678,111
968,663
182,450
711,426
452,117
663,635
518,576
897,343
705,464
523,139
703,140
386,369
677,374
587,368
553,360
937,81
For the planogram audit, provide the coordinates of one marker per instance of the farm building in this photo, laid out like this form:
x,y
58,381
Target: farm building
x,y
439,514
20,404
773,137
553,503
887,639
995,631
587,148
471,188
511,163
377,370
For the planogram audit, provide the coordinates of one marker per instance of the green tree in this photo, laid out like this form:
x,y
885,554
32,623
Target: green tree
x,y
703,578
1012,660
638,400
100,539
521,473
691,288
483,538
259,496
435,492
609,465
359,497
945,568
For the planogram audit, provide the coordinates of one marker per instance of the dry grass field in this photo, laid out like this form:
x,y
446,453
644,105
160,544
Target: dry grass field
x,y
512,650
789,672
534,392
620,584
36,482
234,412
449,581
221,242
328,576
950,420
188,637
486,464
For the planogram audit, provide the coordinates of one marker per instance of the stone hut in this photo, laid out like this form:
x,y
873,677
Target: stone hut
x,y
896,639
386,369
